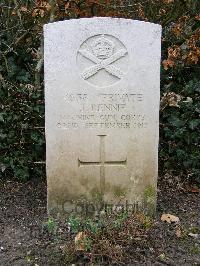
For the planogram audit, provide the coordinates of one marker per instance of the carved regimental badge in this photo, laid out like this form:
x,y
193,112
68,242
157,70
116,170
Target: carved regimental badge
x,y
103,60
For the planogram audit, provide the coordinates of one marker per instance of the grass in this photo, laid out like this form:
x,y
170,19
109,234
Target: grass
x,y
107,238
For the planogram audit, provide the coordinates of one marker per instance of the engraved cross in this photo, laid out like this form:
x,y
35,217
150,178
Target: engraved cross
x,y
102,163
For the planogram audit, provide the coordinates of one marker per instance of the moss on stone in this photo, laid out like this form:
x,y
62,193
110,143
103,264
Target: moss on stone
x,y
119,192
149,194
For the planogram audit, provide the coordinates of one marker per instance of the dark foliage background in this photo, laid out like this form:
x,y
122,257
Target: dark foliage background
x,y
22,142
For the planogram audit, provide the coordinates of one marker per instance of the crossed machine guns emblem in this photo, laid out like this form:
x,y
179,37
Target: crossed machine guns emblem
x,y
103,56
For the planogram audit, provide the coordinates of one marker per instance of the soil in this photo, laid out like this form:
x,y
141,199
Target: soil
x,y
25,240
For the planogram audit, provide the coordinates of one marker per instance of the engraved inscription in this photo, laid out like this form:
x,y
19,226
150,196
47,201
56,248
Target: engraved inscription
x,y
104,111
102,163
104,55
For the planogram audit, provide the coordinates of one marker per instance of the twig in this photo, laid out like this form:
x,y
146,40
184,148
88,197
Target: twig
x,y
16,42
41,49
7,68
22,36
39,64
18,11
53,9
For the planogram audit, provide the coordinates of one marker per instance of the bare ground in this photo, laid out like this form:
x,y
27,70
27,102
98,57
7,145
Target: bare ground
x,y
25,241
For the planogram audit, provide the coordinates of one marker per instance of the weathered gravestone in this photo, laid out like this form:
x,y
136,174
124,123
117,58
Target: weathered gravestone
x,y
102,80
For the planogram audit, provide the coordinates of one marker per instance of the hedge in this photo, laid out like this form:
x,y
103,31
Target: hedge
x,y
22,141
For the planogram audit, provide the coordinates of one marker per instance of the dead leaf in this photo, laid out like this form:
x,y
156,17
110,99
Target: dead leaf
x,y
192,189
174,52
168,1
23,9
169,218
168,63
198,17
80,241
188,100
170,99
178,232
177,29
192,57
193,235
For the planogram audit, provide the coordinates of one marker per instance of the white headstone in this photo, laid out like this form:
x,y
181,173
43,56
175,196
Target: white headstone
x,y
102,90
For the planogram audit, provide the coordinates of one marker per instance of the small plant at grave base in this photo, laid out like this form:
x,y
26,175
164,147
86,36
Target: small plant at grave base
x,y
51,226
83,242
146,221
87,243
109,243
74,224
120,218
91,226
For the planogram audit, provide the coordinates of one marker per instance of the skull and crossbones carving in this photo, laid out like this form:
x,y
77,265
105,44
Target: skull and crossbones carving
x,y
103,56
